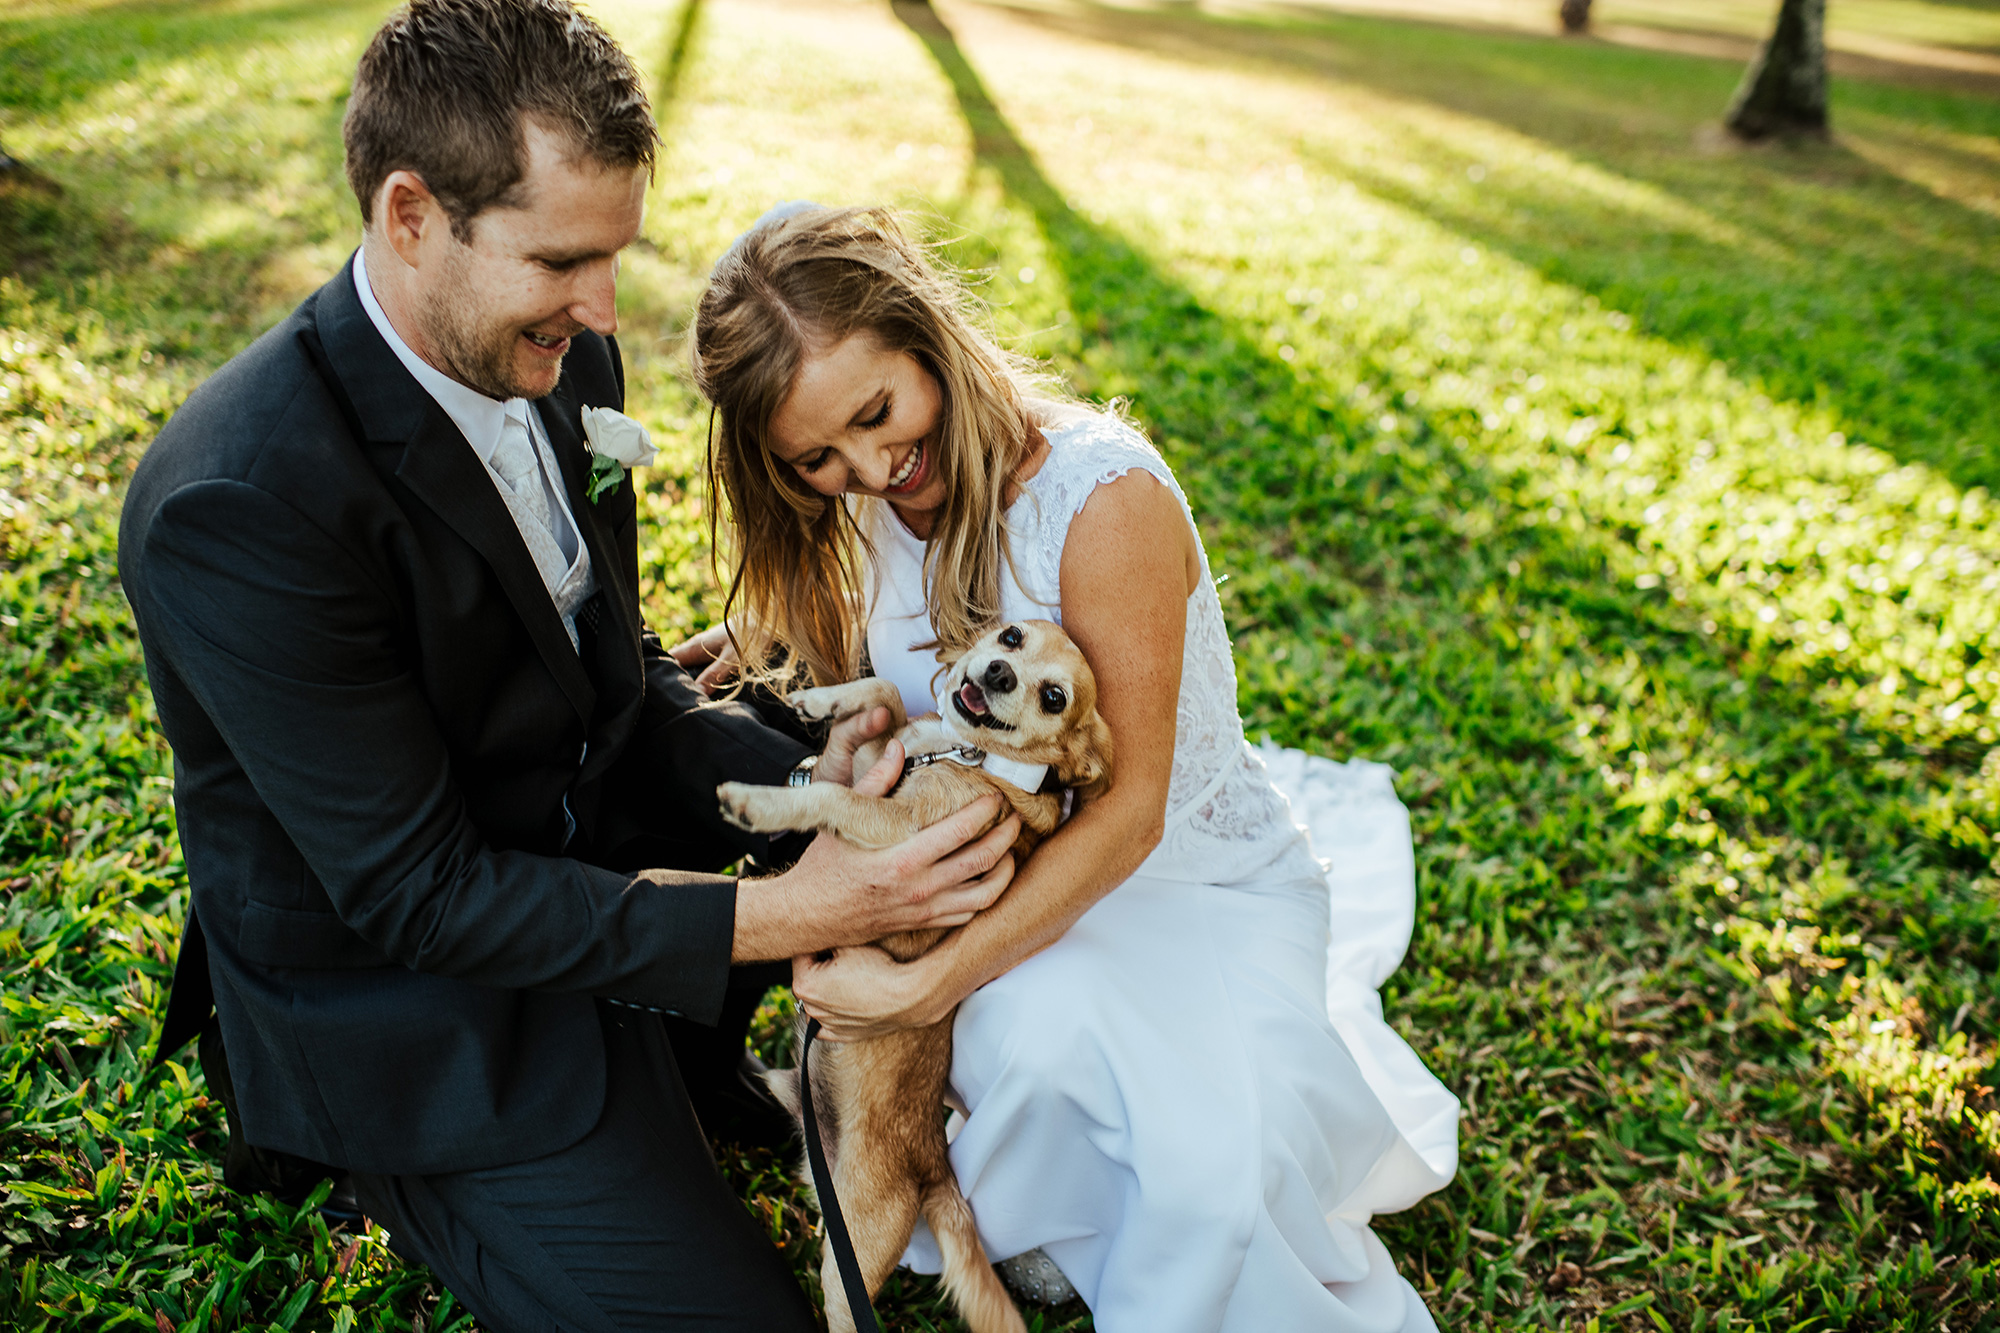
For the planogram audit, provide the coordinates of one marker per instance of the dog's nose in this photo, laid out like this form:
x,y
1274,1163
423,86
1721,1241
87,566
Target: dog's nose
x,y
999,678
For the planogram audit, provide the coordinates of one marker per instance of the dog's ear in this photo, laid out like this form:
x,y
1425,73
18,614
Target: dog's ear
x,y
1086,761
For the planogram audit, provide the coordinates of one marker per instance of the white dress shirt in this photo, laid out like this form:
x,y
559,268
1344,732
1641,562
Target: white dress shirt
x,y
560,556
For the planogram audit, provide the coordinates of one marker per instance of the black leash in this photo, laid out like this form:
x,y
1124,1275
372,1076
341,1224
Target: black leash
x,y
858,1304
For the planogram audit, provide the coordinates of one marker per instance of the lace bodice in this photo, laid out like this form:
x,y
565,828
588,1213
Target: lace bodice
x,y
1225,821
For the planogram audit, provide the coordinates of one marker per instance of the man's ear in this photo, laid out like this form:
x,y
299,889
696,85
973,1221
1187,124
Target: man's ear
x,y
1086,761
408,214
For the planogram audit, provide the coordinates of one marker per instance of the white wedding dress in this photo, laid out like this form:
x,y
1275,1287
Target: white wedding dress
x,y
1191,1101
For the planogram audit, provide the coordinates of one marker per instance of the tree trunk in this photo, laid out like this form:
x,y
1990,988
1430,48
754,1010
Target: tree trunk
x,y
1784,90
1575,15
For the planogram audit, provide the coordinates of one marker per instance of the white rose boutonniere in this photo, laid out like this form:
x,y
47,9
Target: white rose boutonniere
x,y
616,443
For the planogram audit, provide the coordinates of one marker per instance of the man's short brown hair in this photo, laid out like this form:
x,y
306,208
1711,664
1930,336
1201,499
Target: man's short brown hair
x,y
447,87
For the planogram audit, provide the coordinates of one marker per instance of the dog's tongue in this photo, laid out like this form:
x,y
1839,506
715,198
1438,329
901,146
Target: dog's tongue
x,y
972,697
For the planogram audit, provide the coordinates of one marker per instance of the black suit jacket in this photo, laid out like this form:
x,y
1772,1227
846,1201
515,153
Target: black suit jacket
x,y
398,785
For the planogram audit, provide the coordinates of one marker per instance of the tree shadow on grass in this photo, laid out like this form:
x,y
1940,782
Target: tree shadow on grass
x,y
674,58
1389,599
1826,277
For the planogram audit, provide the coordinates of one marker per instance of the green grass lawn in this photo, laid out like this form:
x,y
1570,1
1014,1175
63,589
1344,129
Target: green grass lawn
x,y
1628,491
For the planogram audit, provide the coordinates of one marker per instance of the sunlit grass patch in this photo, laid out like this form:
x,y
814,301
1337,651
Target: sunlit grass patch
x,y
1929,1102
1962,25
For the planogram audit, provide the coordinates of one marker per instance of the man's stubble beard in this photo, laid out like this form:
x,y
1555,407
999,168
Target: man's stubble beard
x,y
479,358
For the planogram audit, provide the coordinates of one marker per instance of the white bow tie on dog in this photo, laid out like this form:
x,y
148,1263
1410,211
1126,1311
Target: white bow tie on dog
x,y
1028,777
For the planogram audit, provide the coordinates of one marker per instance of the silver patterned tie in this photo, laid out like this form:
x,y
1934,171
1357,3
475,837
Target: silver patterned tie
x,y
552,540
514,459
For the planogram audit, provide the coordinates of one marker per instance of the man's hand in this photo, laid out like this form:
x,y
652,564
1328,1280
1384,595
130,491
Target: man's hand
x,y
840,895
847,736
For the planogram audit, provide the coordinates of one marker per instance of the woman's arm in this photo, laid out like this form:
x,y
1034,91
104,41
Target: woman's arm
x,y
1129,563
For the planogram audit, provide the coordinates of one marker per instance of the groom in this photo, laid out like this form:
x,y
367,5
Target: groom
x,y
444,799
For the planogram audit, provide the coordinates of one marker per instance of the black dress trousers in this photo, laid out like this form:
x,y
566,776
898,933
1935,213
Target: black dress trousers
x,y
631,1228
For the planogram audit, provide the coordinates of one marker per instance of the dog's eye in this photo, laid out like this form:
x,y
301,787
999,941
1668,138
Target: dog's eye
x,y
1053,699
1010,637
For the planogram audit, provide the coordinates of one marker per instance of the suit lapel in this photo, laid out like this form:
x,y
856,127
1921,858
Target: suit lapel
x,y
620,677
561,417
444,472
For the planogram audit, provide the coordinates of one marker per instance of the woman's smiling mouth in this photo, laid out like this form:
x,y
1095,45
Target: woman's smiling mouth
x,y
912,474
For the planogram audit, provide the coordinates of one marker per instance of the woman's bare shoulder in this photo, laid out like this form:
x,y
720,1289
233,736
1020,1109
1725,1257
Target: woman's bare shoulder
x,y
1132,523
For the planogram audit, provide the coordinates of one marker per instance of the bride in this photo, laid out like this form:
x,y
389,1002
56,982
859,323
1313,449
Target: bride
x,y
1174,1077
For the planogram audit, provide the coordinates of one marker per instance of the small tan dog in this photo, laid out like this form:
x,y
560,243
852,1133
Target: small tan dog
x,y
1024,699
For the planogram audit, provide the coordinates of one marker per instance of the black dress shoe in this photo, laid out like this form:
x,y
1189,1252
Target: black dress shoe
x,y
734,1106
341,1208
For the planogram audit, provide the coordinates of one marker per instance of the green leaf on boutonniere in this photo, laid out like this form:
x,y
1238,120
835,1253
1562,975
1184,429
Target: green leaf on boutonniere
x,y
605,474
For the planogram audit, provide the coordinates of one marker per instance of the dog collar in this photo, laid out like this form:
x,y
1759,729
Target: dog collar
x,y
1028,777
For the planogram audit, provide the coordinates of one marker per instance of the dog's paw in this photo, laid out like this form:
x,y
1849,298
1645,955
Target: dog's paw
x,y
740,802
822,702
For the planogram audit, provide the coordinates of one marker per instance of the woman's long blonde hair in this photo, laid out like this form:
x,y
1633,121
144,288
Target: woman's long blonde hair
x,y
803,283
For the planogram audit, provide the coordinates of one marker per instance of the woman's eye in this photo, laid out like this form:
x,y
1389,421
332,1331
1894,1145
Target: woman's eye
x,y
1053,699
816,462
879,417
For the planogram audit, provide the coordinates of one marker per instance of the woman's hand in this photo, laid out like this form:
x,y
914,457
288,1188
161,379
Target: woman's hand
x,y
862,992
712,653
